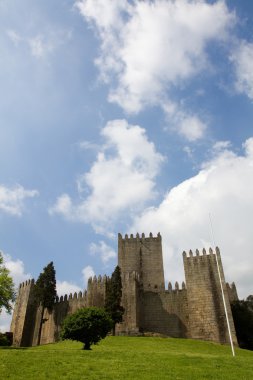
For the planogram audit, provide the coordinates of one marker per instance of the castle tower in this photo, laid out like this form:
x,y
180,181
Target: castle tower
x,y
141,263
24,315
207,318
143,255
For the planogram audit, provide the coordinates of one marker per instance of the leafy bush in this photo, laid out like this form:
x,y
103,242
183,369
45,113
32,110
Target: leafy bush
x,y
87,325
5,339
7,293
243,319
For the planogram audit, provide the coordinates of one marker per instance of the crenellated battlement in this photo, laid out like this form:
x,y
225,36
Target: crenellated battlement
x,y
138,237
209,257
130,276
231,286
176,287
94,282
232,292
27,283
71,297
204,253
95,288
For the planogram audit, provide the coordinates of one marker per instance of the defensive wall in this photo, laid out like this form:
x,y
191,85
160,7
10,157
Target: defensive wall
x,y
193,310
27,314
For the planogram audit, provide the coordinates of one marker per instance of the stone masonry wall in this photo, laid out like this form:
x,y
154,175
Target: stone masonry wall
x,y
22,325
94,296
166,312
232,292
27,315
131,304
206,311
144,256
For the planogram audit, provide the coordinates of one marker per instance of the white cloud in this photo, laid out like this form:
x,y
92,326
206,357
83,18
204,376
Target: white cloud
x,y
121,178
189,151
224,188
149,48
14,36
107,15
12,199
62,206
5,321
103,250
243,61
39,48
87,145
188,125
65,287
87,272
248,146
221,145
192,128
42,44
17,269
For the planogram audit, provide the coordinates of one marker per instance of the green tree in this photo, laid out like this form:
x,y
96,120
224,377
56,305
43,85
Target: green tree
x,y
45,292
113,297
87,325
7,293
243,319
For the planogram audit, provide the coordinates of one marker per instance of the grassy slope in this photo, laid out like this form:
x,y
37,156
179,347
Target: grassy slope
x,y
127,358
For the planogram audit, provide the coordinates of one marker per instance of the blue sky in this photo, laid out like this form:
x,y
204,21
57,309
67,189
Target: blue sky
x,y
127,116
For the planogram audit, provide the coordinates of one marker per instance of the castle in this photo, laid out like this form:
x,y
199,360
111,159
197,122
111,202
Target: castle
x,y
194,310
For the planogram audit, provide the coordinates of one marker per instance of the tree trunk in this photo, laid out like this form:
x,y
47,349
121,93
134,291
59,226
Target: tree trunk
x,y
113,329
86,346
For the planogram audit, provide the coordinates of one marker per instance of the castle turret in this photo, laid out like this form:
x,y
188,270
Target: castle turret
x,y
141,262
96,291
23,319
207,318
143,255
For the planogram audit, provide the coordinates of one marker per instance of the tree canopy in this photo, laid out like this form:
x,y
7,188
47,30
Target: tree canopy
x,y
87,325
243,319
113,297
45,292
7,293
45,287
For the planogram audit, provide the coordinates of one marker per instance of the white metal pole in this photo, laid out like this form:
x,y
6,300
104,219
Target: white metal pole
x,y
222,292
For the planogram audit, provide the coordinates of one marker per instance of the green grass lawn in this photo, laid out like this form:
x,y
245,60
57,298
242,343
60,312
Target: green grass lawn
x,y
127,358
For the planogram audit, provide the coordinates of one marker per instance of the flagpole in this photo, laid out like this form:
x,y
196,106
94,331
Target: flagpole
x,y
222,290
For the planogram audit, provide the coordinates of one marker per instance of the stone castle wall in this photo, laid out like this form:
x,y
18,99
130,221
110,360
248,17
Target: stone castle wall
x,y
193,311
22,324
232,292
207,318
27,314
131,303
166,312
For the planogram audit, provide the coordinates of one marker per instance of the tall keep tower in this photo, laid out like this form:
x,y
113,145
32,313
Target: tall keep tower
x,y
143,255
141,262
